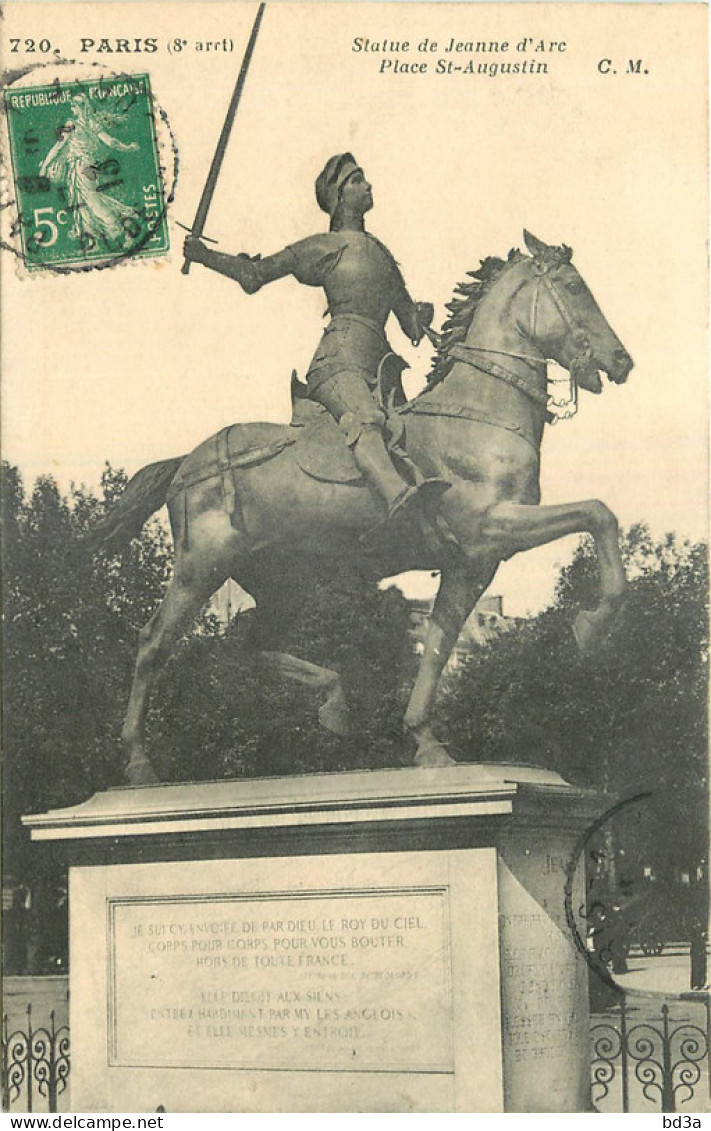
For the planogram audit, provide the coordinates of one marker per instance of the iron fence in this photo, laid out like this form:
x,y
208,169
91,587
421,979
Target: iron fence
x,y
645,1056
35,1064
652,1055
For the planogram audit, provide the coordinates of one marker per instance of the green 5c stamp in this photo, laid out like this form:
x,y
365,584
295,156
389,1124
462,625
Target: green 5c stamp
x,y
86,171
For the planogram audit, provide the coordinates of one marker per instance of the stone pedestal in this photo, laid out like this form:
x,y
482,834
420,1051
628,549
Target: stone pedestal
x,y
388,941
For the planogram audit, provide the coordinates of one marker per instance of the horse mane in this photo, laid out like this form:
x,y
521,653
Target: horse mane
x,y
462,308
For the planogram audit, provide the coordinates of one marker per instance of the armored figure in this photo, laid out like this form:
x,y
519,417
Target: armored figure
x,y
363,286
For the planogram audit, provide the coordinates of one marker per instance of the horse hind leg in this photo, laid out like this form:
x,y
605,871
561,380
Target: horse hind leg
x,y
461,587
333,714
157,638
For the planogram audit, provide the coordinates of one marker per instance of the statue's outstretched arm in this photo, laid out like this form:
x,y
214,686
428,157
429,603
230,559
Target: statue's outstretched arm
x,y
251,272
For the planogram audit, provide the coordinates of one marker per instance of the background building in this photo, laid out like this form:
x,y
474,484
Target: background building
x,y
485,623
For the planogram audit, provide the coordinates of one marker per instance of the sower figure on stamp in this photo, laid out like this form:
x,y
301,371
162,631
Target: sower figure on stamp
x,y
363,286
73,162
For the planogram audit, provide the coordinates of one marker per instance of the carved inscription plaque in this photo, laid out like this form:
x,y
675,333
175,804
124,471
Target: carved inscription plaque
x,y
350,981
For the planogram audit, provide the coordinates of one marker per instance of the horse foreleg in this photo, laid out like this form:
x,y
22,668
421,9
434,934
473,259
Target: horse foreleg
x,y
333,714
459,591
156,641
511,527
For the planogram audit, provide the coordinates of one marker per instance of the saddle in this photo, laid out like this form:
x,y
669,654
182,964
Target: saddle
x,y
314,440
319,447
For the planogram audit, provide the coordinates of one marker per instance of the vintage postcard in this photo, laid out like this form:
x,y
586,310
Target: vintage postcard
x,y
355,482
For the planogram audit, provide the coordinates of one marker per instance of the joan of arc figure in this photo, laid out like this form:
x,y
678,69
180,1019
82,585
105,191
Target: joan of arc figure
x,y
363,286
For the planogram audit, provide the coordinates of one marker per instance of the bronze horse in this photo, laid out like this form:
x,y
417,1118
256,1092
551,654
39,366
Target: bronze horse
x,y
243,495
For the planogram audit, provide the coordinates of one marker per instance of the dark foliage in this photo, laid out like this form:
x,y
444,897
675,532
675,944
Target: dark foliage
x,y
219,711
634,721
69,633
71,618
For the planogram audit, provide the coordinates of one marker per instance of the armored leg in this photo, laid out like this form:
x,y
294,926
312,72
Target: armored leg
x,y
348,398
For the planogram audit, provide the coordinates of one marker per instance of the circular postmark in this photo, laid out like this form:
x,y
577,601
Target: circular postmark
x,y
90,168
625,906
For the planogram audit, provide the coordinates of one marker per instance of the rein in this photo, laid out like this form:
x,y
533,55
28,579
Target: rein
x,y
567,405
520,381
454,409
556,407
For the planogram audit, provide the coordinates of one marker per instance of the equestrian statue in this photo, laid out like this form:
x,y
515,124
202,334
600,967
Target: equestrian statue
x,y
447,481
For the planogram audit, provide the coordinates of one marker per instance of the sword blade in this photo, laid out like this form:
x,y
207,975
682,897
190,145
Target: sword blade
x,y
209,189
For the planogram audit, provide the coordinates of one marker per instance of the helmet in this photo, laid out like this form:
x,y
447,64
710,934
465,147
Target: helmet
x,y
331,179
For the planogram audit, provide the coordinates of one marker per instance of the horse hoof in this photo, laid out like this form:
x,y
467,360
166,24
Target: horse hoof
x,y
336,718
590,631
432,753
141,773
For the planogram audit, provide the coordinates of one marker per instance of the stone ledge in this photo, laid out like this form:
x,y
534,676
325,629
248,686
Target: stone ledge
x,y
361,797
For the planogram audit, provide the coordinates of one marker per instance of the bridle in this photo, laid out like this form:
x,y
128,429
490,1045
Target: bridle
x,y
565,406
557,406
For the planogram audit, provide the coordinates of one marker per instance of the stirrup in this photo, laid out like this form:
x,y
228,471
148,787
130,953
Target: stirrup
x,y
412,503
427,494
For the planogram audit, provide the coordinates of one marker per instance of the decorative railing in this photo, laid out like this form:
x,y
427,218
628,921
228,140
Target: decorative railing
x,y
35,1064
645,1056
651,1056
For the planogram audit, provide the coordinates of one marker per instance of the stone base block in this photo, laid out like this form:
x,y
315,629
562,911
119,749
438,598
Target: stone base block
x,y
395,941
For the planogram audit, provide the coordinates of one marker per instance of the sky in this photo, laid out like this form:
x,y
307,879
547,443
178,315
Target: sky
x,y
139,362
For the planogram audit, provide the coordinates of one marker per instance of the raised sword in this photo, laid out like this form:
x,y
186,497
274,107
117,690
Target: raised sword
x,y
209,189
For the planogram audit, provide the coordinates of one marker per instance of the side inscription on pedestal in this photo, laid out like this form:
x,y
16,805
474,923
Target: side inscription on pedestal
x,y
539,973
334,981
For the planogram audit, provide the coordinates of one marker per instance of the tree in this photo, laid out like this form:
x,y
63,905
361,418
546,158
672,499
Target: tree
x,y
633,722
217,698
71,619
70,622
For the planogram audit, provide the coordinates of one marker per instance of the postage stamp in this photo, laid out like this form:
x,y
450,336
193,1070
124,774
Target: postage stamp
x,y
86,172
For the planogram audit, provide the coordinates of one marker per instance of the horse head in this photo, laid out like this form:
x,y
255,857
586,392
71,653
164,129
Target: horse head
x,y
559,315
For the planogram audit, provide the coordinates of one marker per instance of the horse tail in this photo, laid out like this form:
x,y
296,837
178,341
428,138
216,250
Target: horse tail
x,y
145,492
